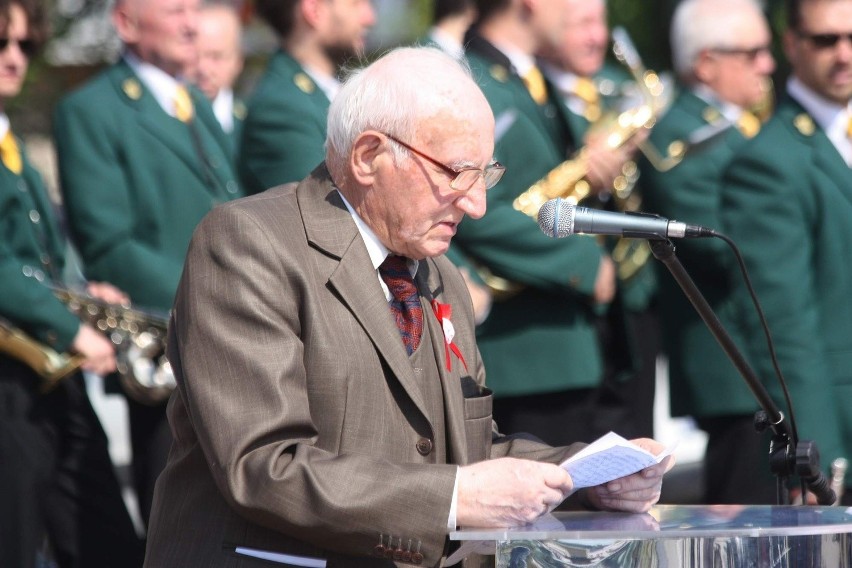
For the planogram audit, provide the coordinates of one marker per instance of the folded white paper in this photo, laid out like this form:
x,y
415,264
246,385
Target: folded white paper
x,y
607,458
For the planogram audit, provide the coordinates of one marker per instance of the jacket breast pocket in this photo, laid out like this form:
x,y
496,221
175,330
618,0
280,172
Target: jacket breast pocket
x,y
477,425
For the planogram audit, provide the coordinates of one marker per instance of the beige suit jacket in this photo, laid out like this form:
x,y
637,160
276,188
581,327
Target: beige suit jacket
x,y
299,426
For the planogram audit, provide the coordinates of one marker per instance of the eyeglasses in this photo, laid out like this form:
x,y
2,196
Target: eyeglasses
x,y
749,53
463,178
28,46
824,41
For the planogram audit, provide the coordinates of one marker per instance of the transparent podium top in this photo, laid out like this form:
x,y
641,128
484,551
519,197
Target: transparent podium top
x,y
676,521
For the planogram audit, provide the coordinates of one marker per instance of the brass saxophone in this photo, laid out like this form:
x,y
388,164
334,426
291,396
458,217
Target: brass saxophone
x,y
566,179
139,337
50,365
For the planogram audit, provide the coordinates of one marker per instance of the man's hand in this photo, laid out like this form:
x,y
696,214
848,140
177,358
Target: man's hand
x,y
635,493
107,292
97,349
509,492
605,163
480,296
605,283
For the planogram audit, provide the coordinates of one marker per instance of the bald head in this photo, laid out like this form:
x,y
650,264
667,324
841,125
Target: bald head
x,y
160,32
410,146
402,90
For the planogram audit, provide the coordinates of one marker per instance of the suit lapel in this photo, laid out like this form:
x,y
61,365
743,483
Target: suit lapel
x,y
151,117
330,228
432,287
825,156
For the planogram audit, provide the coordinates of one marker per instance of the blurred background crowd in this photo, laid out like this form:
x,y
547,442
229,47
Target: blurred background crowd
x,y
701,110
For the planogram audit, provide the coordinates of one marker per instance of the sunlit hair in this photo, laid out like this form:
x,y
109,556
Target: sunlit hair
x,y
37,24
391,95
701,24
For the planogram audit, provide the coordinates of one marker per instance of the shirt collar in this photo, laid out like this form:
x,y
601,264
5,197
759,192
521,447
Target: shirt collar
x,y
162,85
4,125
377,251
446,42
729,110
829,115
223,108
522,62
327,83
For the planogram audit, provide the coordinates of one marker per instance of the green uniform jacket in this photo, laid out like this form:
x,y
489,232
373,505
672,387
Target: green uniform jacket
x,y
543,339
787,202
234,136
703,381
27,232
284,133
135,184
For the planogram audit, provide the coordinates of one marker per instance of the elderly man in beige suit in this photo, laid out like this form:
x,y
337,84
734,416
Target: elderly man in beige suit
x,y
309,431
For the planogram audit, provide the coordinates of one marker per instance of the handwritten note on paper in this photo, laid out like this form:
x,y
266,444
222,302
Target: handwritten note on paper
x,y
607,458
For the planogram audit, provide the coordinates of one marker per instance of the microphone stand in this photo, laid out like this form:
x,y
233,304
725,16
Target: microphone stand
x,y
786,454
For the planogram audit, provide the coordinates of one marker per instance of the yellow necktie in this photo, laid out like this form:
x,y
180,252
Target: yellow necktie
x,y
534,82
849,127
586,90
183,104
10,153
748,124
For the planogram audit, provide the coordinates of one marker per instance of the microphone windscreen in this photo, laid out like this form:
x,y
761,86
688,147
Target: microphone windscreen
x,y
556,218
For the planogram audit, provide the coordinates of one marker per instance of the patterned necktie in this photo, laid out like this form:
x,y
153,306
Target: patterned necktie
x,y
183,104
585,90
534,82
748,124
405,304
10,153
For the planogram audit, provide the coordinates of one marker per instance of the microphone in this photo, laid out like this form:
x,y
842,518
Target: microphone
x,y
558,218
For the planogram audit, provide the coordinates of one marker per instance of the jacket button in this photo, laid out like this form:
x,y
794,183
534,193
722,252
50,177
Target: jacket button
x,y
424,446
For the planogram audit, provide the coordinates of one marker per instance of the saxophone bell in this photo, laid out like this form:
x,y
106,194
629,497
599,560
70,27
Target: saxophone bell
x,y
139,338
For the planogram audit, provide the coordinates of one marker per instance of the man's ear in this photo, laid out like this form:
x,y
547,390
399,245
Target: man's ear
x,y
311,11
704,67
367,152
126,23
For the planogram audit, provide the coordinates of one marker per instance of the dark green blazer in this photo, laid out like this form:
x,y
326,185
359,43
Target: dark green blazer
x,y
787,202
28,232
543,339
136,181
703,381
284,133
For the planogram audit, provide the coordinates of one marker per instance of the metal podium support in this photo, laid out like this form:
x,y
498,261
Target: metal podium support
x,y
675,536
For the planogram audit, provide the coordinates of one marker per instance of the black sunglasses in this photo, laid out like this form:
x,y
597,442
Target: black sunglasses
x,y
824,41
28,46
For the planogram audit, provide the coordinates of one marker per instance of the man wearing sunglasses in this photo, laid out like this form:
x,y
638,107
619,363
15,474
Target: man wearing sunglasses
x,y
721,56
787,202
58,483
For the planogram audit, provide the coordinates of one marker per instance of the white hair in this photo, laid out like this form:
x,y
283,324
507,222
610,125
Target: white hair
x,y
392,95
701,24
